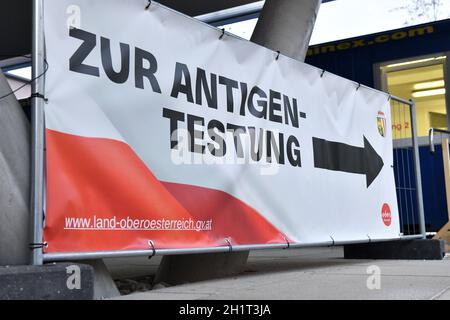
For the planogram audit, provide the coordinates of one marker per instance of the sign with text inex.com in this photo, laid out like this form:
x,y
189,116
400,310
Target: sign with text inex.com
x,y
161,128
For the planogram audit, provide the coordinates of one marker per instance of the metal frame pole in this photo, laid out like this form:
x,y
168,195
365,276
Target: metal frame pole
x,y
37,133
66,256
417,169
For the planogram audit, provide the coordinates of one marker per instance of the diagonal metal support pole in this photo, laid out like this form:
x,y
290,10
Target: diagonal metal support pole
x,y
286,26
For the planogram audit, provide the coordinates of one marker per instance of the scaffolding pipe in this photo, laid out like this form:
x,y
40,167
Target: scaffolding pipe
x,y
37,129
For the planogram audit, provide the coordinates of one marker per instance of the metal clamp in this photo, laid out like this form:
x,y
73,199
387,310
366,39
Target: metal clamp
x,y
431,136
323,72
229,244
278,54
150,243
431,133
359,86
148,5
370,240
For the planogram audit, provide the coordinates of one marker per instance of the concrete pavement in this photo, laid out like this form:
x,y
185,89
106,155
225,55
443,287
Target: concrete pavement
x,y
315,273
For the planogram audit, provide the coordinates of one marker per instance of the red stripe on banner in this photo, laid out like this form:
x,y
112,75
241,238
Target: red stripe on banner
x,y
101,196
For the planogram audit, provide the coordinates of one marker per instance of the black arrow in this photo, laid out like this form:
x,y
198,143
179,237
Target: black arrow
x,y
343,157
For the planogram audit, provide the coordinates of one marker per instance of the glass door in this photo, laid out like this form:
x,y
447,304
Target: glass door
x,y
422,79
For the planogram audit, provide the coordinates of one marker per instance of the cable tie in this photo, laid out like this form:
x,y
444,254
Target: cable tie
x,y
223,33
151,244
39,245
229,244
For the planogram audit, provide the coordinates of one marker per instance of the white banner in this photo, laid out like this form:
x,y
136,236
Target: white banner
x,y
160,128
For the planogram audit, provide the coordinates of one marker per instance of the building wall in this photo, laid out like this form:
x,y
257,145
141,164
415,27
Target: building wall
x,y
354,58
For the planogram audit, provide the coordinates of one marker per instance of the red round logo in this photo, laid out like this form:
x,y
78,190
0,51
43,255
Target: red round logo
x,y
386,214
